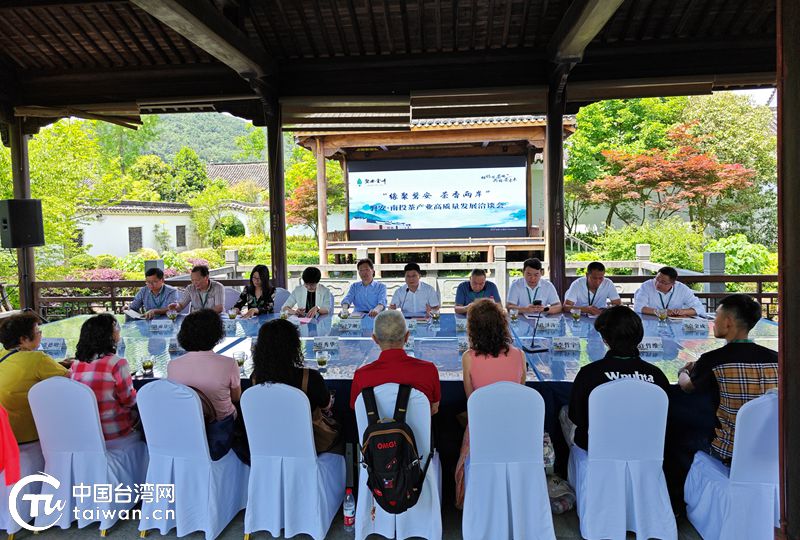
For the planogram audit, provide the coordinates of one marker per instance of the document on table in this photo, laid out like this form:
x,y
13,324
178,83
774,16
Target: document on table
x,y
133,314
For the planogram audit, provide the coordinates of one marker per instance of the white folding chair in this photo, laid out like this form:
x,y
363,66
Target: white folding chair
x,y
619,483
31,461
281,296
290,488
208,494
75,453
742,502
424,519
506,492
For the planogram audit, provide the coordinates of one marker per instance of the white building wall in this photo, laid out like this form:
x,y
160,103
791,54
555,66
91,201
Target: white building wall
x,y
109,234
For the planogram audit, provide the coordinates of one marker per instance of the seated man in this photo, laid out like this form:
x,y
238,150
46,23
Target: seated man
x,y
590,294
476,288
416,297
394,365
735,373
156,296
203,293
366,295
531,293
665,292
622,330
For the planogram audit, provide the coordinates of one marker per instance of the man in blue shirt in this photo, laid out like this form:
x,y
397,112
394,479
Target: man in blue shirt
x,y
156,297
476,288
367,295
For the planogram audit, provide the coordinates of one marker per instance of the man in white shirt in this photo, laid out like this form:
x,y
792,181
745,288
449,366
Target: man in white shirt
x,y
590,294
417,297
531,293
665,292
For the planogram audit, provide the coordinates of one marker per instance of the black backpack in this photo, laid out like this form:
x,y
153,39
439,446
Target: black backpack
x,y
389,453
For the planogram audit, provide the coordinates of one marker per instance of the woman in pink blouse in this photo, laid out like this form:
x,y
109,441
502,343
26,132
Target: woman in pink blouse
x,y
491,358
97,366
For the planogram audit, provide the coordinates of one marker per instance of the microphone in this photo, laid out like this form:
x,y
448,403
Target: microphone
x,y
405,297
533,349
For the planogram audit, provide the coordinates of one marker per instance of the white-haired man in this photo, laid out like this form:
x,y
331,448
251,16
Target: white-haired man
x,y
394,365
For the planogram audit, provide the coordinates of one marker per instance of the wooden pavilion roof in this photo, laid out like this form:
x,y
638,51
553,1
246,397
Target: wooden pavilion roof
x,y
355,64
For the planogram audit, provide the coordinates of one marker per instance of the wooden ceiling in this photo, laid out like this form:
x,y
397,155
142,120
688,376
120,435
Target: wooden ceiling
x,y
382,63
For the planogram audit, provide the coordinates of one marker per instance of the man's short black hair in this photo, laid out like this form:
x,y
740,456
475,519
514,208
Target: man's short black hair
x,y
412,266
311,275
621,329
745,311
670,272
595,266
478,272
367,261
534,263
201,330
200,269
158,272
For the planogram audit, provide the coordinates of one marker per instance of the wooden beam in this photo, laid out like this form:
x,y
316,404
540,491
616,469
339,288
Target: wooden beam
x,y
277,206
21,177
554,175
580,24
788,261
322,203
204,26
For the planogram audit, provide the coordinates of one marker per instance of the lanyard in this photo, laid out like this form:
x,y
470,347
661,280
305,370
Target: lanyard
x,y
535,292
589,294
203,299
661,297
12,351
158,299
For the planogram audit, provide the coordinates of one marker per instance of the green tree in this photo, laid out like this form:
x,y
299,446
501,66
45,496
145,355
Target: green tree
x,y
625,125
117,142
731,127
253,145
207,211
303,170
189,172
152,172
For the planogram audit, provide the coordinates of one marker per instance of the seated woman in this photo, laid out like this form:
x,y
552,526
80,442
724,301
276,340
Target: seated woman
x,y
214,375
491,358
22,366
109,376
258,297
311,298
278,359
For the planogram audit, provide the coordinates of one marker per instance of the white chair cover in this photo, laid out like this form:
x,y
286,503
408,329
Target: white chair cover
x,y
620,485
291,488
506,492
424,519
231,296
208,494
741,502
31,461
76,454
281,296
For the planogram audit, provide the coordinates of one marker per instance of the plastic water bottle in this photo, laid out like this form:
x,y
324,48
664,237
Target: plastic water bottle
x,y
349,511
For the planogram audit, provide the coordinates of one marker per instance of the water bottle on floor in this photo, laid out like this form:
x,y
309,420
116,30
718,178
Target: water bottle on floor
x,y
349,511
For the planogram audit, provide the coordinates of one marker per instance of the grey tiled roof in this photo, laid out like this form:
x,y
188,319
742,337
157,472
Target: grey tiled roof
x,y
234,173
486,120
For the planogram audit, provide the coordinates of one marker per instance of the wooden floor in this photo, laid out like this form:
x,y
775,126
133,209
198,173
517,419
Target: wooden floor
x,y
566,526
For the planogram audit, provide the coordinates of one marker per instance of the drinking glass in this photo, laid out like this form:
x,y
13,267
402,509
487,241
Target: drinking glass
x,y
172,315
345,313
240,357
435,314
514,314
576,315
322,359
232,313
147,365
284,314
662,315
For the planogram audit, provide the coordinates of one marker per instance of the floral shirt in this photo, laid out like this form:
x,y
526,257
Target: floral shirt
x,y
264,304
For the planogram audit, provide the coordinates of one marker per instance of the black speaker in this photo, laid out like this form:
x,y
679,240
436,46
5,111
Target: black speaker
x,y
21,223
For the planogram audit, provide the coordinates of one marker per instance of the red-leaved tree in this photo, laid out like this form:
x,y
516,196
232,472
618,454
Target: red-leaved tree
x,y
665,182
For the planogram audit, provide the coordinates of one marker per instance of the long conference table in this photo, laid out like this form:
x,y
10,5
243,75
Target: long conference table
x,y
570,345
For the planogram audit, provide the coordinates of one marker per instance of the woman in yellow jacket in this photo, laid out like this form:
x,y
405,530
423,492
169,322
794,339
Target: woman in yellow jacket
x,y
22,366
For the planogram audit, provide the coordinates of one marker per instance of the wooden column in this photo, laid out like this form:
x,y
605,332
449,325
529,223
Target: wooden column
x,y
789,261
554,173
20,172
322,205
277,194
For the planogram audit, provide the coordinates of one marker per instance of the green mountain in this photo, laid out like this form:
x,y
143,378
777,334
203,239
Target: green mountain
x,y
211,135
